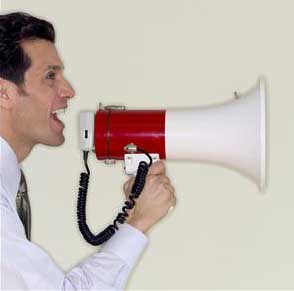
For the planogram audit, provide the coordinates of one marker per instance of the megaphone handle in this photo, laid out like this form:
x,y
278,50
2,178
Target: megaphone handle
x,y
122,216
132,161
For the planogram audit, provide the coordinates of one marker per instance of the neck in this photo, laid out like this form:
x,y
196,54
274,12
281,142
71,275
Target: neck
x,y
20,146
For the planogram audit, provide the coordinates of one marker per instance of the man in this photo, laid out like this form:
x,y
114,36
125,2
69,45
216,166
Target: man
x,y
32,88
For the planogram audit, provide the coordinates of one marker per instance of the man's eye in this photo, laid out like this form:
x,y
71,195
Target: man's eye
x,y
51,76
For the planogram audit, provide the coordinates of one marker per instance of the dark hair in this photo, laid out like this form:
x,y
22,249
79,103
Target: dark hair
x,y
14,29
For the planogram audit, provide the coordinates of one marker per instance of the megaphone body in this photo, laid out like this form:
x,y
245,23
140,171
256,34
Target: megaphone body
x,y
231,134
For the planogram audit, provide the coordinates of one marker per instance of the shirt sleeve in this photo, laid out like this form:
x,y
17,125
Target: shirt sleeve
x,y
27,263
109,269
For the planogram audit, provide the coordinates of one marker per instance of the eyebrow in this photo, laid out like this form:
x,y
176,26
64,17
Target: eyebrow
x,y
54,67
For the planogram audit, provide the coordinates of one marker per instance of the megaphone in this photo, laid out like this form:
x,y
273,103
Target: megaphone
x,y
231,134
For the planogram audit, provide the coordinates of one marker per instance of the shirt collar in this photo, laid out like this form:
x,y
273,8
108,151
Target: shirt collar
x,y
9,171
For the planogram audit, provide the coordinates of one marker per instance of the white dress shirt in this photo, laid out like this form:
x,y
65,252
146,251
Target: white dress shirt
x,y
24,265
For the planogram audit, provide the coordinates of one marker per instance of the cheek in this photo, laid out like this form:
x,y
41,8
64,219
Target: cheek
x,y
34,108
32,113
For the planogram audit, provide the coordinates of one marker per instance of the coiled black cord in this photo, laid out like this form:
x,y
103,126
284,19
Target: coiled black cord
x,y
109,231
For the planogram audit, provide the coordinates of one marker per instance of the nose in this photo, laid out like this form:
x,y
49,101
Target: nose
x,y
66,90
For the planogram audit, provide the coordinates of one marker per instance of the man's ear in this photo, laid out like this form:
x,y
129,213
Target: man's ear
x,y
6,94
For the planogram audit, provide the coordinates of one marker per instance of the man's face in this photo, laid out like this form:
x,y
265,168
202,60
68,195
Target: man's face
x,y
44,91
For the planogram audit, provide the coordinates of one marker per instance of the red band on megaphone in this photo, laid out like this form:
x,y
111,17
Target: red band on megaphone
x,y
114,129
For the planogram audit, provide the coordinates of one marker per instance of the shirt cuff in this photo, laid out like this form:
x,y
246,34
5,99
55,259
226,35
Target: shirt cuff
x,y
127,243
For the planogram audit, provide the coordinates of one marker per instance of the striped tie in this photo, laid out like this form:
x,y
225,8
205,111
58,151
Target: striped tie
x,y
23,206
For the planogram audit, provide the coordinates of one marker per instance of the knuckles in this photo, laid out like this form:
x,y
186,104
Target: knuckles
x,y
158,179
151,179
160,184
157,168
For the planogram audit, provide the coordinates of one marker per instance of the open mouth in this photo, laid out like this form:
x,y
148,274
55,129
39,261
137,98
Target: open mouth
x,y
55,115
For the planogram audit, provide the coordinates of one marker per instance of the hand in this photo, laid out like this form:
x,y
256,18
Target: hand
x,y
157,197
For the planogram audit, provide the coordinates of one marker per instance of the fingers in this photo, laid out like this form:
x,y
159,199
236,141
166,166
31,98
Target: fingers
x,y
157,168
159,179
172,195
170,188
156,199
156,182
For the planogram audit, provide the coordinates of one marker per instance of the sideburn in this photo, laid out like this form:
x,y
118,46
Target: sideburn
x,y
21,90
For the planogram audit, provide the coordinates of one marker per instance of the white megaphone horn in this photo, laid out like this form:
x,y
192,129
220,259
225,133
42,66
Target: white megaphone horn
x,y
232,134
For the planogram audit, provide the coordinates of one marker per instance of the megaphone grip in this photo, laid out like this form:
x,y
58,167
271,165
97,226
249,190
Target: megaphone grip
x,y
107,233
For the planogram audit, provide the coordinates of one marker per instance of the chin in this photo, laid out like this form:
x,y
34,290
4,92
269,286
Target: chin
x,y
55,141
60,141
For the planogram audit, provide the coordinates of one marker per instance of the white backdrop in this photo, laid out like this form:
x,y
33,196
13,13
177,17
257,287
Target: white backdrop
x,y
155,54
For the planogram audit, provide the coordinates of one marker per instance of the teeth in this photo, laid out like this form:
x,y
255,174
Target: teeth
x,y
58,111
